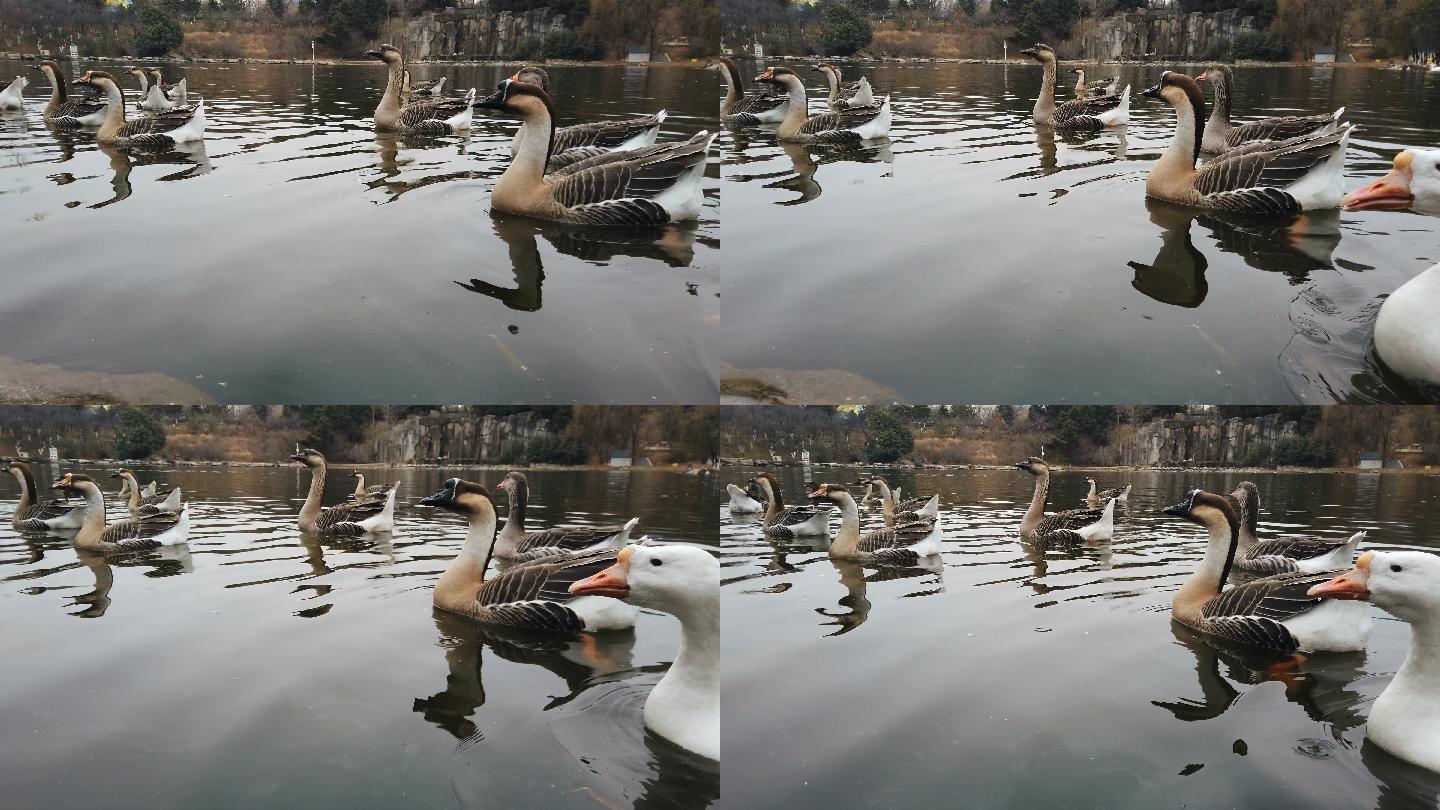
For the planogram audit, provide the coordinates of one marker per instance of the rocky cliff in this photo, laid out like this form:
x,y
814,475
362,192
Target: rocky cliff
x,y
477,31
1198,439
1157,33
457,437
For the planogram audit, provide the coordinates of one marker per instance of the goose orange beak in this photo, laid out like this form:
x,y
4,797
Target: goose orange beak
x,y
1352,584
610,582
1389,192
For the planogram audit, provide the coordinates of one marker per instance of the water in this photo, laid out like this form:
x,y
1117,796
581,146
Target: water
x,y
263,666
304,258
1004,676
973,256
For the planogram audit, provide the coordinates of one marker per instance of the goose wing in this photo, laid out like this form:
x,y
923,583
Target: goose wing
x,y
568,538
431,113
1279,128
139,533
758,103
48,510
839,125
1253,613
794,515
157,124
609,134
345,516
570,157
1299,547
1085,112
79,108
1252,179
1069,520
618,188
903,535
534,594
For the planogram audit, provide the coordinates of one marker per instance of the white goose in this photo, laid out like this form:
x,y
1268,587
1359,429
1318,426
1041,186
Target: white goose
x,y
177,94
903,543
136,534
844,96
1405,719
741,503
34,514
12,97
683,581
1405,334
152,96
1413,182
1273,613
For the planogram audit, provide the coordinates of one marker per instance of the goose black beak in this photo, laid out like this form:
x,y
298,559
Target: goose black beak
x,y
374,54
491,102
300,457
114,475
1028,51
1153,92
442,499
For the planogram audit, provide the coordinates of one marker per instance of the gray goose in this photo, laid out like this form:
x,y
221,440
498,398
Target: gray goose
x,y
125,536
741,110
421,117
533,595
63,110
514,543
1098,87
163,129
1097,497
906,509
145,501
374,492
574,143
1070,526
904,543
1265,177
648,186
787,522
349,519
1221,136
1274,613
844,96
843,126
1088,112
34,514
419,91
1300,553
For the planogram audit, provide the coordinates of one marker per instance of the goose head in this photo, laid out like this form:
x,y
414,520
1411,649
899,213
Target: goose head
x,y
124,473
310,457
99,79
17,468
1090,481
780,77
519,98
513,481
387,53
155,75
1206,509
1177,90
137,72
463,498
1400,582
50,68
833,493
831,72
76,482
1034,466
532,74
1413,182
766,484
1040,52
1219,76
664,578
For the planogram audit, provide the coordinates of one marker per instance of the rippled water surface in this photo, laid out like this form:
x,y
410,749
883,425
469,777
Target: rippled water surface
x,y
304,258
260,666
1004,676
974,256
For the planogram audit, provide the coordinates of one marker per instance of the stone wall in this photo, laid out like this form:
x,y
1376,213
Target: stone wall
x,y
1199,439
476,31
457,437
1156,33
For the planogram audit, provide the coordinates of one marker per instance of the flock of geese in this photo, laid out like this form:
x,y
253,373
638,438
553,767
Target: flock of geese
x,y
1302,594
1279,166
562,580
603,173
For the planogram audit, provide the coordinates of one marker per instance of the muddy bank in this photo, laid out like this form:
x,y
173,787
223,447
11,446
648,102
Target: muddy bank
x,y
22,382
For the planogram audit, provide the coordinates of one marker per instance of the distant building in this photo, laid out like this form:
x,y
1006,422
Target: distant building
x,y
638,53
1324,55
621,458
1371,461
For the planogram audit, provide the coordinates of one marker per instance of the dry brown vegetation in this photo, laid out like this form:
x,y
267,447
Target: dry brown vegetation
x,y
268,42
982,447
939,43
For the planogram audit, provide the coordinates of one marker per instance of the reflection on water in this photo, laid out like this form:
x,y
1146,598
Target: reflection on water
x,y
268,664
1036,675
309,259
1008,240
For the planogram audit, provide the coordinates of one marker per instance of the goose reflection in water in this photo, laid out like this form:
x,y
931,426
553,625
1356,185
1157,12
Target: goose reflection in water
x,y
1176,275
166,561
392,166
191,157
805,162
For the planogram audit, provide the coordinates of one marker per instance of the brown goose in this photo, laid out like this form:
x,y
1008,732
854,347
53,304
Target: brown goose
x,y
844,96
34,514
902,544
1097,497
420,90
514,543
1098,87
741,110
63,110
1274,613
649,186
896,508
1220,136
1304,554
1087,112
136,534
577,142
420,117
845,126
164,129
375,492
533,595
141,503
351,518
1267,177
1074,525
787,522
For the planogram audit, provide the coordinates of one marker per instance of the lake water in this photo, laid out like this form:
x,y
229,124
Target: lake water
x,y
1008,677
974,257
260,666
297,256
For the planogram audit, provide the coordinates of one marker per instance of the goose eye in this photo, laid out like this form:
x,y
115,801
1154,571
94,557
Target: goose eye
x,y
655,561
1397,569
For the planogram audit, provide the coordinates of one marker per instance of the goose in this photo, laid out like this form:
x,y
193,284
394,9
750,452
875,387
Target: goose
x,y
33,514
1413,182
782,522
1098,87
1089,112
845,126
62,110
1097,497
579,141
177,94
420,90
1267,177
141,503
136,534
420,117
514,543
741,503
683,581
902,544
897,509
1405,336
1273,613
165,129
1405,718
648,186
844,96
346,519
12,97
376,492
1303,554
1065,527
740,110
1220,136
152,96
533,595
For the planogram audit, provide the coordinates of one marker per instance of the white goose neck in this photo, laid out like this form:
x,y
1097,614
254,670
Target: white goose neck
x,y
532,152
311,510
848,536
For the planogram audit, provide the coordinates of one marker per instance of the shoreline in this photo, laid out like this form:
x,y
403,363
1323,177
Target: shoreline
x,y
687,468
741,462
335,61
1020,61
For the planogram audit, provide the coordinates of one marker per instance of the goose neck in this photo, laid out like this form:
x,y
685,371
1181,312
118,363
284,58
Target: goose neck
x,y
1209,577
798,111
1045,102
1036,511
456,586
93,524
527,165
114,110
847,539
311,510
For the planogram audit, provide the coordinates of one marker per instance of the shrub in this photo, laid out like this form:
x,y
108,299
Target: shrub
x,y
887,438
566,44
159,33
547,448
139,435
844,31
